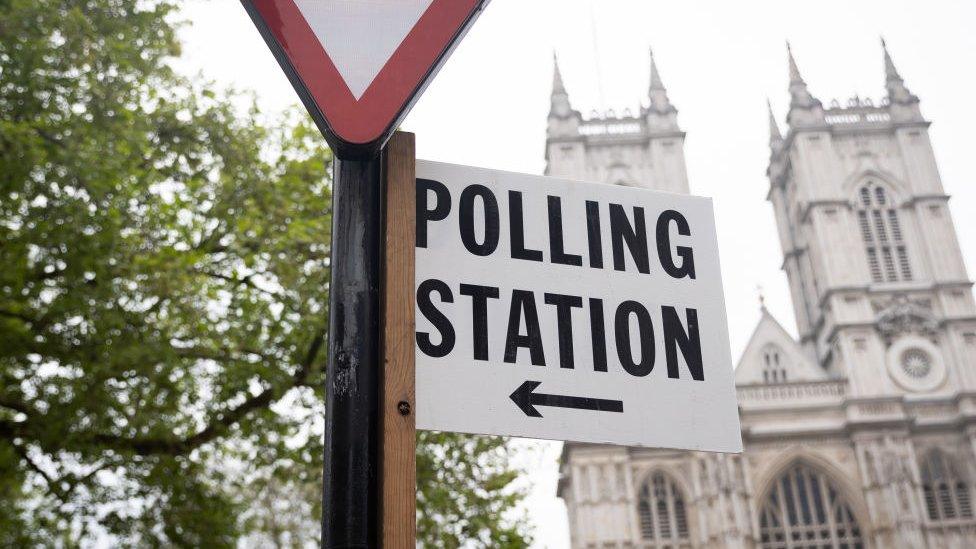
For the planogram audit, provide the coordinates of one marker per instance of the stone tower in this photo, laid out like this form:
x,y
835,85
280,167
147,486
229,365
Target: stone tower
x,y
646,150
862,433
876,273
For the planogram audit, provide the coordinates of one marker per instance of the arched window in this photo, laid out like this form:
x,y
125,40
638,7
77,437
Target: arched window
x,y
663,519
804,510
947,495
882,235
774,365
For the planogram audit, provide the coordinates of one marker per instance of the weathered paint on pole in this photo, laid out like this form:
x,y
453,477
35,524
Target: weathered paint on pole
x,y
350,492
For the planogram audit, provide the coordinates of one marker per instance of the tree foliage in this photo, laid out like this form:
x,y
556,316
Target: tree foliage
x,y
163,303
465,490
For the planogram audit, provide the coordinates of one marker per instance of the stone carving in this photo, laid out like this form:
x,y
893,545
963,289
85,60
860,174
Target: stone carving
x,y
903,316
894,466
887,463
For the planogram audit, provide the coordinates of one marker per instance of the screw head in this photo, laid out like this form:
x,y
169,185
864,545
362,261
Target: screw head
x,y
404,408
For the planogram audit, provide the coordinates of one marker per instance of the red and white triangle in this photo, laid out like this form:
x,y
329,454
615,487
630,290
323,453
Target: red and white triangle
x,y
359,64
359,36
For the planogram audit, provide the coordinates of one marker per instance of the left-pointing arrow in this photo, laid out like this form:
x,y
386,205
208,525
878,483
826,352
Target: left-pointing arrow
x,y
527,399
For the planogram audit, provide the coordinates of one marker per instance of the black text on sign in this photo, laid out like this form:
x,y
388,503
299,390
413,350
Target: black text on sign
x,y
571,311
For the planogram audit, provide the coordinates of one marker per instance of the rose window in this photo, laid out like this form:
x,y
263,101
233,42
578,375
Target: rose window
x,y
916,363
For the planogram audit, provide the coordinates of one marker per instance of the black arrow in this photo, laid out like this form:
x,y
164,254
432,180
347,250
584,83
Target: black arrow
x,y
527,400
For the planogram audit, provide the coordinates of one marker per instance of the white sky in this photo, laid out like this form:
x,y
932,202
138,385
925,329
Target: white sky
x,y
719,61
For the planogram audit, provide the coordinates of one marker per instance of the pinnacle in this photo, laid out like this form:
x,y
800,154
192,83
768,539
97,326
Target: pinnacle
x,y
774,134
897,92
656,83
557,77
800,96
656,91
891,73
794,69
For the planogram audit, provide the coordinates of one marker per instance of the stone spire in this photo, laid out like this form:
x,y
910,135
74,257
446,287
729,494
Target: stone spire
x,y
557,77
559,105
795,77
656,91
656,83
897,92
800,96
891,73
775,137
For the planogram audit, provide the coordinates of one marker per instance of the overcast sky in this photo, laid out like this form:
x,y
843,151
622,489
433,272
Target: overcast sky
x,y
720,60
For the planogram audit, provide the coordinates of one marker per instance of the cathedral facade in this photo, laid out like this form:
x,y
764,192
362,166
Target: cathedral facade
x,y
862,432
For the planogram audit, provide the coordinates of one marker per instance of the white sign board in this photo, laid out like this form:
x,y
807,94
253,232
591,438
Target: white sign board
x,y
563,310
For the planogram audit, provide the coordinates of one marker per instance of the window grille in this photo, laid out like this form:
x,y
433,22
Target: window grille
x,y
874,265
893,223
883,238
862,218
663,518
906,268
946,492
804,510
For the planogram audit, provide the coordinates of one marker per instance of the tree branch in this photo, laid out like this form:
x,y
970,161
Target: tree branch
x,y
223,421
53,485
15,405
18,316
49,138
220,355
246,281
174,446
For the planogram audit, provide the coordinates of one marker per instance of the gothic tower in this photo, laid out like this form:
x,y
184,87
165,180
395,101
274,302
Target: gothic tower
x,y
880,291
645,150
877,277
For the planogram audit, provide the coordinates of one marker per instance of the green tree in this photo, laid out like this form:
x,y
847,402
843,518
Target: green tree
x,y
163,302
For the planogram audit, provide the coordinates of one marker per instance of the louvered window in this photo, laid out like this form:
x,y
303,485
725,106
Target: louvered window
x,y
804,510
947,494
663,518
882,235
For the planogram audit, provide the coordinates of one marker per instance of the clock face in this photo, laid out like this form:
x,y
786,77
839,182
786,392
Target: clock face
x,y
916,363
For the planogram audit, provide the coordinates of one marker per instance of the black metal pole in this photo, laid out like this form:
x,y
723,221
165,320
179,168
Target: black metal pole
x,y
350,492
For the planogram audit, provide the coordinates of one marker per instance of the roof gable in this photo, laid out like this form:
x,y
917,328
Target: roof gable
x,y
772,355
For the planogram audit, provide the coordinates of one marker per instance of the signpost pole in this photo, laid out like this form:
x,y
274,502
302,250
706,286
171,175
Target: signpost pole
x,y
357,102
350,492
399,448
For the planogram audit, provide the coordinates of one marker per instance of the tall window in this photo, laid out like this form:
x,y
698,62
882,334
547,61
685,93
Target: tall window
x,y
882,235
804,510
663,520
774,365
947,495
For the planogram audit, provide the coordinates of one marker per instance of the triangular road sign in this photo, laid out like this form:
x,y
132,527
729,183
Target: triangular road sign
x,y
359,65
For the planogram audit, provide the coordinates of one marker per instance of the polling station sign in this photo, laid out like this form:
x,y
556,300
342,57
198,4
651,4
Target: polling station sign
x,y
563,310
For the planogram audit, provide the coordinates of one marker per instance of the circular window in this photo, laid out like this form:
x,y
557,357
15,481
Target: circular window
x,y
916,363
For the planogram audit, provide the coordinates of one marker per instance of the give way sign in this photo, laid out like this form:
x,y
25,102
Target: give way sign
x,y
359,65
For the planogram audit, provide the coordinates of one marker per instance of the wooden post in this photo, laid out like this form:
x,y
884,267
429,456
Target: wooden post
x,y
399,444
